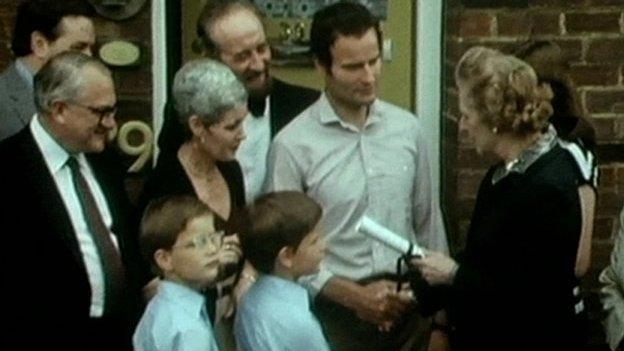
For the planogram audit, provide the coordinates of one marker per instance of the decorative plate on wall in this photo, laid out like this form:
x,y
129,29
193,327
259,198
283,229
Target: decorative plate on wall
x,y
117,10
120,53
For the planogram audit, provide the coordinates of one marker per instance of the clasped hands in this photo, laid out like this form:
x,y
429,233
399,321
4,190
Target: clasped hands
x,y
380,303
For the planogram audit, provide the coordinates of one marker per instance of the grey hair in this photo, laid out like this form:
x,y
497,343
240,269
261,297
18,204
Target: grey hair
x,y
207,89
62,79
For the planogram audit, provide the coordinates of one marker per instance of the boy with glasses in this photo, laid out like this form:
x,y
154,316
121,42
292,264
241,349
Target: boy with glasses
x,y
179,239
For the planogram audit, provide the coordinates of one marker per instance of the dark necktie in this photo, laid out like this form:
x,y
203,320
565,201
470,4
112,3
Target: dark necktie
x,y
256,105
110,259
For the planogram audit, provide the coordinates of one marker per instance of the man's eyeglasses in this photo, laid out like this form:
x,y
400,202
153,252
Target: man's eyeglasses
x,y
211,241
101,112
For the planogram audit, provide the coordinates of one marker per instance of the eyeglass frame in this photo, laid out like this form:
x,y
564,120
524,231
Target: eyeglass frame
x,y
100,112
196,243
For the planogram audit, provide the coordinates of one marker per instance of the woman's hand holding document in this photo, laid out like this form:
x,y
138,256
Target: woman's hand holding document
x,y
436,268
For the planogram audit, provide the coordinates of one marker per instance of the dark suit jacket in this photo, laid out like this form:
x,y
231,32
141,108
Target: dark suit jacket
x,y
48,288
17,105
287,101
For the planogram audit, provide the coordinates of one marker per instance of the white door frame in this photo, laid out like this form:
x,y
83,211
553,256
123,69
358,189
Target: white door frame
x,y
159,69
429,78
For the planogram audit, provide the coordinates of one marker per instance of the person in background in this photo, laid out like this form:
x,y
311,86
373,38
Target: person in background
x,y
43,28
547,60
282,240
179,238
514,286
575,132
612,292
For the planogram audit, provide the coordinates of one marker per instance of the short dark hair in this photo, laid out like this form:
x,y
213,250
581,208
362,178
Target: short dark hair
x,y
546,58
274,221
44,16
163,221
213,11
343,18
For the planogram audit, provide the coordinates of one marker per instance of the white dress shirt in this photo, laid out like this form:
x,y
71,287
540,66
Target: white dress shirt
x,y
381,171
56,157
253,152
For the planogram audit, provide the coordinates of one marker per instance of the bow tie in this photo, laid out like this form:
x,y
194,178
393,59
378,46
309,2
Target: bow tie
x,y
256,106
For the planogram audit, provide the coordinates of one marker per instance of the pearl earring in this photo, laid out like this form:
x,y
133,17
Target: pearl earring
x,y
495,130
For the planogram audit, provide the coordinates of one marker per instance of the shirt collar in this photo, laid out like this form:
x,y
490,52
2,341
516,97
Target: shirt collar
x,y
189,299
327,114
53,153
24,71
527,157
289,290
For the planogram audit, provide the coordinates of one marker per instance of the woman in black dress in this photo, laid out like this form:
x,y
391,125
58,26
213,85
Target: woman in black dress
x,y
514,286
199,158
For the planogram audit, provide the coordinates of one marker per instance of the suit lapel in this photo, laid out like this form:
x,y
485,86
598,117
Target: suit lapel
x,y
46,191
276,105
286,102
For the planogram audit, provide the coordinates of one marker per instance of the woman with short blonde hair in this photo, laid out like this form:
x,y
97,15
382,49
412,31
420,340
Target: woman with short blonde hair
x,y
514,286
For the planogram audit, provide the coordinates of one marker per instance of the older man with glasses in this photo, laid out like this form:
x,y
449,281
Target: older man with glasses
x,y
70,281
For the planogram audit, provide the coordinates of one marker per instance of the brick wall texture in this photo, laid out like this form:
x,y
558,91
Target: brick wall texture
x,y
591,35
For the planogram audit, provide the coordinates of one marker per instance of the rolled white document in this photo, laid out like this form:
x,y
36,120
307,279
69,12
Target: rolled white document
x,y
387,237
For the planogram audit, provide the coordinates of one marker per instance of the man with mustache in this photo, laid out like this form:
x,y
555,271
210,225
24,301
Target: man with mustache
x,y
357,155
233,33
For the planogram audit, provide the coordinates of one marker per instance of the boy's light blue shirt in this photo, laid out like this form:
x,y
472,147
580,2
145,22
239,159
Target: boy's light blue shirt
x,y
175,319
275,316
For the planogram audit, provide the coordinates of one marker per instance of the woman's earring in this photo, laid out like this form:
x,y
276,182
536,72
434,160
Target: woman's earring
x,y
495,130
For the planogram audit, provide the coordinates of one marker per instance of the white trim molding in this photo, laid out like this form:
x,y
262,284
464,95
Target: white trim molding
x,y
159,69
429,78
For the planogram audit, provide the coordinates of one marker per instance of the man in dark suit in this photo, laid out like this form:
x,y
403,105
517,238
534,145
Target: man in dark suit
x,y
43,28
68,257
233,33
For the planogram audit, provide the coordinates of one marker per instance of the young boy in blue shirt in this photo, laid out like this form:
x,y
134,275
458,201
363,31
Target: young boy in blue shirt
x,y
179,239
281,238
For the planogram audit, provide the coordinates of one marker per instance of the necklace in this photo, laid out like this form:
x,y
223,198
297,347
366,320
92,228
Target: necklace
x,y
196,165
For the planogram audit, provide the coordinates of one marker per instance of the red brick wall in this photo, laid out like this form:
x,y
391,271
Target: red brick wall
x,y
591,35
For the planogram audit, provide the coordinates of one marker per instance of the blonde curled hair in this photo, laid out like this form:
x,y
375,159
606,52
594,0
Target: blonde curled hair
x,y
504,91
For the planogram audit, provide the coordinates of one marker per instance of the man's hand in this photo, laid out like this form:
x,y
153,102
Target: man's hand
x,y
377,302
